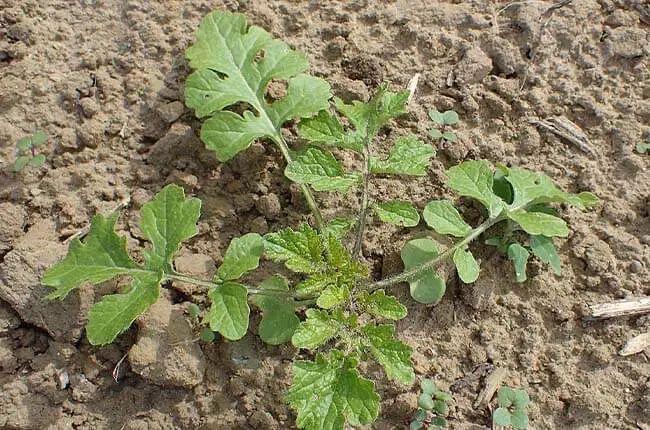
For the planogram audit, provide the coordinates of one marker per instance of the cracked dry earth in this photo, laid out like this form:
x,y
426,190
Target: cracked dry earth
x,y
104,80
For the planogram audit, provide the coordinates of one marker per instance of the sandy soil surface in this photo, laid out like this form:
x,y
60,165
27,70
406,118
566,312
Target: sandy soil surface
x,y
104,80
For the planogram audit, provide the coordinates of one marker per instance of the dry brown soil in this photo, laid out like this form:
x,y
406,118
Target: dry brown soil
x,y
104,79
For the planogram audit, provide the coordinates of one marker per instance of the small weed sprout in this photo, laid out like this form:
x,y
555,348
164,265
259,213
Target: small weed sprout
x,y
512,408
443,120
26,149
433,407
642,148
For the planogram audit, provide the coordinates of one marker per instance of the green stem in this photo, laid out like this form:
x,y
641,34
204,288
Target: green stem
x,y
364,203
419,270
251,290
306,191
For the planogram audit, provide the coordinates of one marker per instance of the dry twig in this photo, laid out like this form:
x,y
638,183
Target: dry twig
x,y
620,308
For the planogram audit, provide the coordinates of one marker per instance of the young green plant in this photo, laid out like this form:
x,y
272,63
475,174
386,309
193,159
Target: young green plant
x,y
443,121
511,412
27,151
433,407
348,317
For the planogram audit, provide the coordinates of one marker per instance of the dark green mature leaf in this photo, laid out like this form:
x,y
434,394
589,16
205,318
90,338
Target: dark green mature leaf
x,y
116,312
538,223
367,118
544,249
410,156
474,179
279,319
519,256
393,355
229,72
318,328
380,305
243,255
397,212
167,221
301,250
321,170
428,288
443,217
229,311
100,257
466,264
329,391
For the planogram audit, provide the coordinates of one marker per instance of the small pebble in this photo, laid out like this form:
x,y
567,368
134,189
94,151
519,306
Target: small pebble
x,y
63,379
636,266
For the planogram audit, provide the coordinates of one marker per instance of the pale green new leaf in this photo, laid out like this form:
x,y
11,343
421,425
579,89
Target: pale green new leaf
x,y
544,249
429,288
333,295
315,284
101,256
466,264
321,170
24,144
339,227
539,223
37,160
519,256
318,328
393,355
229,311
234,65
474,179
397,212
116,312
380,305
167,221
501,417
39,138
21,162
410,156
326,129
368,117
301,250
443,217
243,254
279,319
329,392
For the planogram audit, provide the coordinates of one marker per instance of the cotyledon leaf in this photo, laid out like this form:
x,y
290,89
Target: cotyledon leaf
x,y
519,256
279,319
328,392
544,249
229,311
167,221
466,264
429,288
229,71
243,254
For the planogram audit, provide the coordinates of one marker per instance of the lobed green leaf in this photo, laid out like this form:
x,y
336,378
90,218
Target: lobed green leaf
x,y
167,221
381,305
410,156
339,227
443,217
301,250
318,328
329,391
326,129
393,355
321,170
429,288
116,312
397,212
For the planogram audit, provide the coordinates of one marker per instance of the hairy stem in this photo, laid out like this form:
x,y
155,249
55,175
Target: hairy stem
x,y
306,191
364,203
420,269
251,290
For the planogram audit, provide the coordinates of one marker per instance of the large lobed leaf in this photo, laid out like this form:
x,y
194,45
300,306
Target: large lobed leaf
x,y
474,179
328,392
321,170
301,250
393,355
234,65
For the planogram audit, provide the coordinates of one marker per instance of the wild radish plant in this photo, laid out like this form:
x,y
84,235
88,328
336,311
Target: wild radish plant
x,y
27,151
348,317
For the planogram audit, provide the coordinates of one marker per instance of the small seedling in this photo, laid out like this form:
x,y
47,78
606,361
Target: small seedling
x,y
432,407
642,148
512,409
443,120
26,149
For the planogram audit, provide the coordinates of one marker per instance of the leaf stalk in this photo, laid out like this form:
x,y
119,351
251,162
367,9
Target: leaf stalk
x,y
364,203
